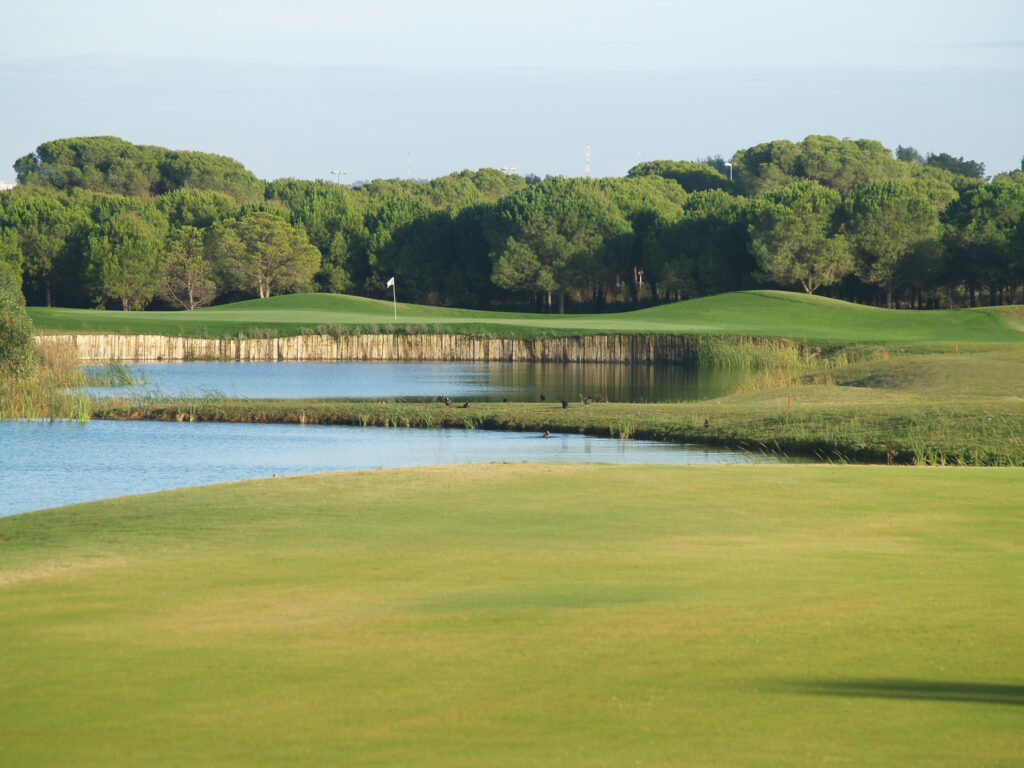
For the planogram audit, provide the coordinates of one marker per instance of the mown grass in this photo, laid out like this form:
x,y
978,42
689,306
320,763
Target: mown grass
x,y
752,313
523,615
873,406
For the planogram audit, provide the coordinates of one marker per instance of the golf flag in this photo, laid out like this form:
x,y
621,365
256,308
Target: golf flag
x,y
391,283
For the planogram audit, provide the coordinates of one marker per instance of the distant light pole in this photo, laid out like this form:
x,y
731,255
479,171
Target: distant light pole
x,y
339,174
729,166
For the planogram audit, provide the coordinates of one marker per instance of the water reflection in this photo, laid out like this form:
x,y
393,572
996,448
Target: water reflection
x,y
495,381
44,464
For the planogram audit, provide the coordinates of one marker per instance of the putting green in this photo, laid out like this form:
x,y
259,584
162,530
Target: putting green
x,y
523,615
756,313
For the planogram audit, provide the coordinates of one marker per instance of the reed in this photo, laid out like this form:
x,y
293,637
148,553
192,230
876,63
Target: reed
x,y
50,389
114,374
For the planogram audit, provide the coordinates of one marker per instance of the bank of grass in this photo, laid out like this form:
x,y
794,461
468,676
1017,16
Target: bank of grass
x,y
866,406
750,313
523,615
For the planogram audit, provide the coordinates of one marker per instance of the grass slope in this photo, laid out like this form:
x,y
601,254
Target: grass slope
x,y
523,615
757,313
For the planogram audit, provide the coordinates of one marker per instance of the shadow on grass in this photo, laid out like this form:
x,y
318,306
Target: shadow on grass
x,y
922,690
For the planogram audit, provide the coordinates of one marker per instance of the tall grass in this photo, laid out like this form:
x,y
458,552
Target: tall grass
x,y
51,389
772,363
113,374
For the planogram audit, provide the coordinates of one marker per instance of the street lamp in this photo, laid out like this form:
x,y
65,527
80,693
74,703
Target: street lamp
x,y
729,166
339,174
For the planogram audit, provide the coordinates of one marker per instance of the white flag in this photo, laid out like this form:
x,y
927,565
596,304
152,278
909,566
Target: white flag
x,y
391,282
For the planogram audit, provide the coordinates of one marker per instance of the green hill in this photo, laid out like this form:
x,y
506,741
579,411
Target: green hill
x,y
753,313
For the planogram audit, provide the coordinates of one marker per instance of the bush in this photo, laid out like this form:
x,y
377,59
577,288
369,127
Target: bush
x,y
17,345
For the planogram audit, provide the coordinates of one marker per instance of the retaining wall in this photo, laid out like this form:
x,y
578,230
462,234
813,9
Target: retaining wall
x,y
97,347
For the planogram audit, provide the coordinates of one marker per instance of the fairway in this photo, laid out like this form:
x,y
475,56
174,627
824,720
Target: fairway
x,y
753,313
523,615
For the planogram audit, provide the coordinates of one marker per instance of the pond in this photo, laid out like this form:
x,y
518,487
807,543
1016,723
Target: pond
x,y
45,464
493,381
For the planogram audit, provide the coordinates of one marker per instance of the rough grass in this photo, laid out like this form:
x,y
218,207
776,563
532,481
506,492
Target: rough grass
x,y
752,313
520,616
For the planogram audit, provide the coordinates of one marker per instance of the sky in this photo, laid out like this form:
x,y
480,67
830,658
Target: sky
x,y
426,88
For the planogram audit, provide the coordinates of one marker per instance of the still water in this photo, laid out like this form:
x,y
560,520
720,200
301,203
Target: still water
x,y
46,464
493,381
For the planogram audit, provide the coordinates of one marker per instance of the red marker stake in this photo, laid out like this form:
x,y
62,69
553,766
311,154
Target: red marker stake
x,y
789,402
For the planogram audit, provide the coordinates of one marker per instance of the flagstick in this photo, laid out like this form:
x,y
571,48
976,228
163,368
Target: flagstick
x,y
394,298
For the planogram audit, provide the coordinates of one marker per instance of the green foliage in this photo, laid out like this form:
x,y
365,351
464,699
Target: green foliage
x,y
692,177
702,251
840,164
957,165
985,234
567,224
17,344
886,221
124,260
909,155
10,254
110,164
196,208
261,254
643,238
187,280
794,236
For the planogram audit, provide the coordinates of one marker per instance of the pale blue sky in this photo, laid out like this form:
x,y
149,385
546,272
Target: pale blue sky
x,y
302,88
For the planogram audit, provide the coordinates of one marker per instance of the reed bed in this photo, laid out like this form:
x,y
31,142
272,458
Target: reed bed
x,y
51,389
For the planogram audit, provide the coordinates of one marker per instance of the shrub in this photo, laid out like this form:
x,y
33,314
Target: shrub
x,y
17,345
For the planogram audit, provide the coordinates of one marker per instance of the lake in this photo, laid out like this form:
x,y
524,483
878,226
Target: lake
x,y
492,381
46,464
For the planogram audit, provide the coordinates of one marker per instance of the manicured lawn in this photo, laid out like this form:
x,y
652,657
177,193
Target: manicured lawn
x,y
518,615
757,313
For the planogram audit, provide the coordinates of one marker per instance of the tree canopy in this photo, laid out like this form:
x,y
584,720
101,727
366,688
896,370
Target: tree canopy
x,y
102,222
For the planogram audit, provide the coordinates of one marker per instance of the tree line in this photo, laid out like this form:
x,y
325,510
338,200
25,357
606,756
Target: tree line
x,y
100,222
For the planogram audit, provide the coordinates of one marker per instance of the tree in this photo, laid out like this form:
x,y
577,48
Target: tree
x,y
969,168
264,255
123,260
42,224
840,164
909,155
188,277
566,224
10,253
196,207
794,238
692,177
885,222
17,342
109,164
982,239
